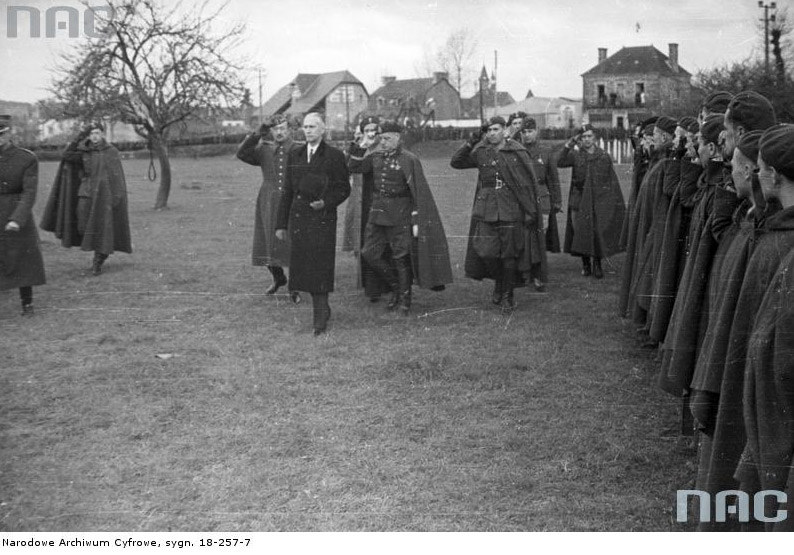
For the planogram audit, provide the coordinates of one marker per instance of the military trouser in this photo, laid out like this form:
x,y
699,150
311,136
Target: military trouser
x,y
378,237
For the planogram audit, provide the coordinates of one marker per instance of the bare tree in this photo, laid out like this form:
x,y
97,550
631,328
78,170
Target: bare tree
x,y
152,68
454,57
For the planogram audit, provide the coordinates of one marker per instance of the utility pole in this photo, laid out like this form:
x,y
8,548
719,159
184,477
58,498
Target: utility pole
x,y
766,20
261,117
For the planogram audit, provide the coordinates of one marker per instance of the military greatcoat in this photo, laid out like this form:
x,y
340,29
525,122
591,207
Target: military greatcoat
x,y
272,159
21,264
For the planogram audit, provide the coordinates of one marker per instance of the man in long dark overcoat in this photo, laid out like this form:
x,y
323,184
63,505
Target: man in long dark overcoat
x,y
271,157
506,233
545,165
404,240
21,264
317,183
596,207
88,201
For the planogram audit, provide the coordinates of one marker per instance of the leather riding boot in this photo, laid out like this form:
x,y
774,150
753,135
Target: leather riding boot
x,y
586,269
598,272
508,281
96,266
321,312
405,279
498,288
385,271
279,279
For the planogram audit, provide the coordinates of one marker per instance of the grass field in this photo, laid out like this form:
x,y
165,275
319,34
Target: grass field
x,y
455,419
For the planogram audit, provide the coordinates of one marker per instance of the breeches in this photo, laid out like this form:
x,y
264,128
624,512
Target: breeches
x,y
498,239
378,237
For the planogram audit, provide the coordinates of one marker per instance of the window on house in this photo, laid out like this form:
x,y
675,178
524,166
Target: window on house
x,y
381,101
613,99
602,95
639,94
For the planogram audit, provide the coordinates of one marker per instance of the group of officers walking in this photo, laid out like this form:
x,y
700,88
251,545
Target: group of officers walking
x,y
392,222
708,280
708,276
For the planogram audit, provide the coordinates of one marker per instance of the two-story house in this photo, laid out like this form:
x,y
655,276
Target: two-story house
x,y
339,95
633,84
420,100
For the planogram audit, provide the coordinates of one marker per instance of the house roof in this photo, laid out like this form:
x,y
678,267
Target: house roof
x,y
313,87
636,59
403,88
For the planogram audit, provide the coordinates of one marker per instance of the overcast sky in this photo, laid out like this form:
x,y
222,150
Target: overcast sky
x,y
544,45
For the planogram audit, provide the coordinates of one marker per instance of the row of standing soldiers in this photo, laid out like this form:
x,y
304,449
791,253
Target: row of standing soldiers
x,y
708,280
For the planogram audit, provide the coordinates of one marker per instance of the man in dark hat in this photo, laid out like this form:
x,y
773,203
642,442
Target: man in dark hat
x,y
21,264
404,240
257,149
595,205
515,123
545,166
358,205
506,214
715,103
88,201
317,182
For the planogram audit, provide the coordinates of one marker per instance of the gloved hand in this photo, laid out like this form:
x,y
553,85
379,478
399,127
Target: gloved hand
x,y
264,129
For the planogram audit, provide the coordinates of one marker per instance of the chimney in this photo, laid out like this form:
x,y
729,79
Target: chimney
x,y
674,55
439,75
386,79
602,54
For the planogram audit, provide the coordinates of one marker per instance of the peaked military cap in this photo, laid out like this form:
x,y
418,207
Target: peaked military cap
x,y
367,121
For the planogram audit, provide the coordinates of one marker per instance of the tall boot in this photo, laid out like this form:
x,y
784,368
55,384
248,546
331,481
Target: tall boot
x,y
405,278
498,288
598,273
384,270
321,312
279,279
96,266
586,269
509,283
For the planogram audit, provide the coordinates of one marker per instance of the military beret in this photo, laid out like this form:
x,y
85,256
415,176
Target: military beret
x,y
711,128
367,121
587,127
96,125
751,110
689,124
717,102
776,148
390,127
5,123
497,120
514,116
529,124
748,144
277,119
666,124
647,125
